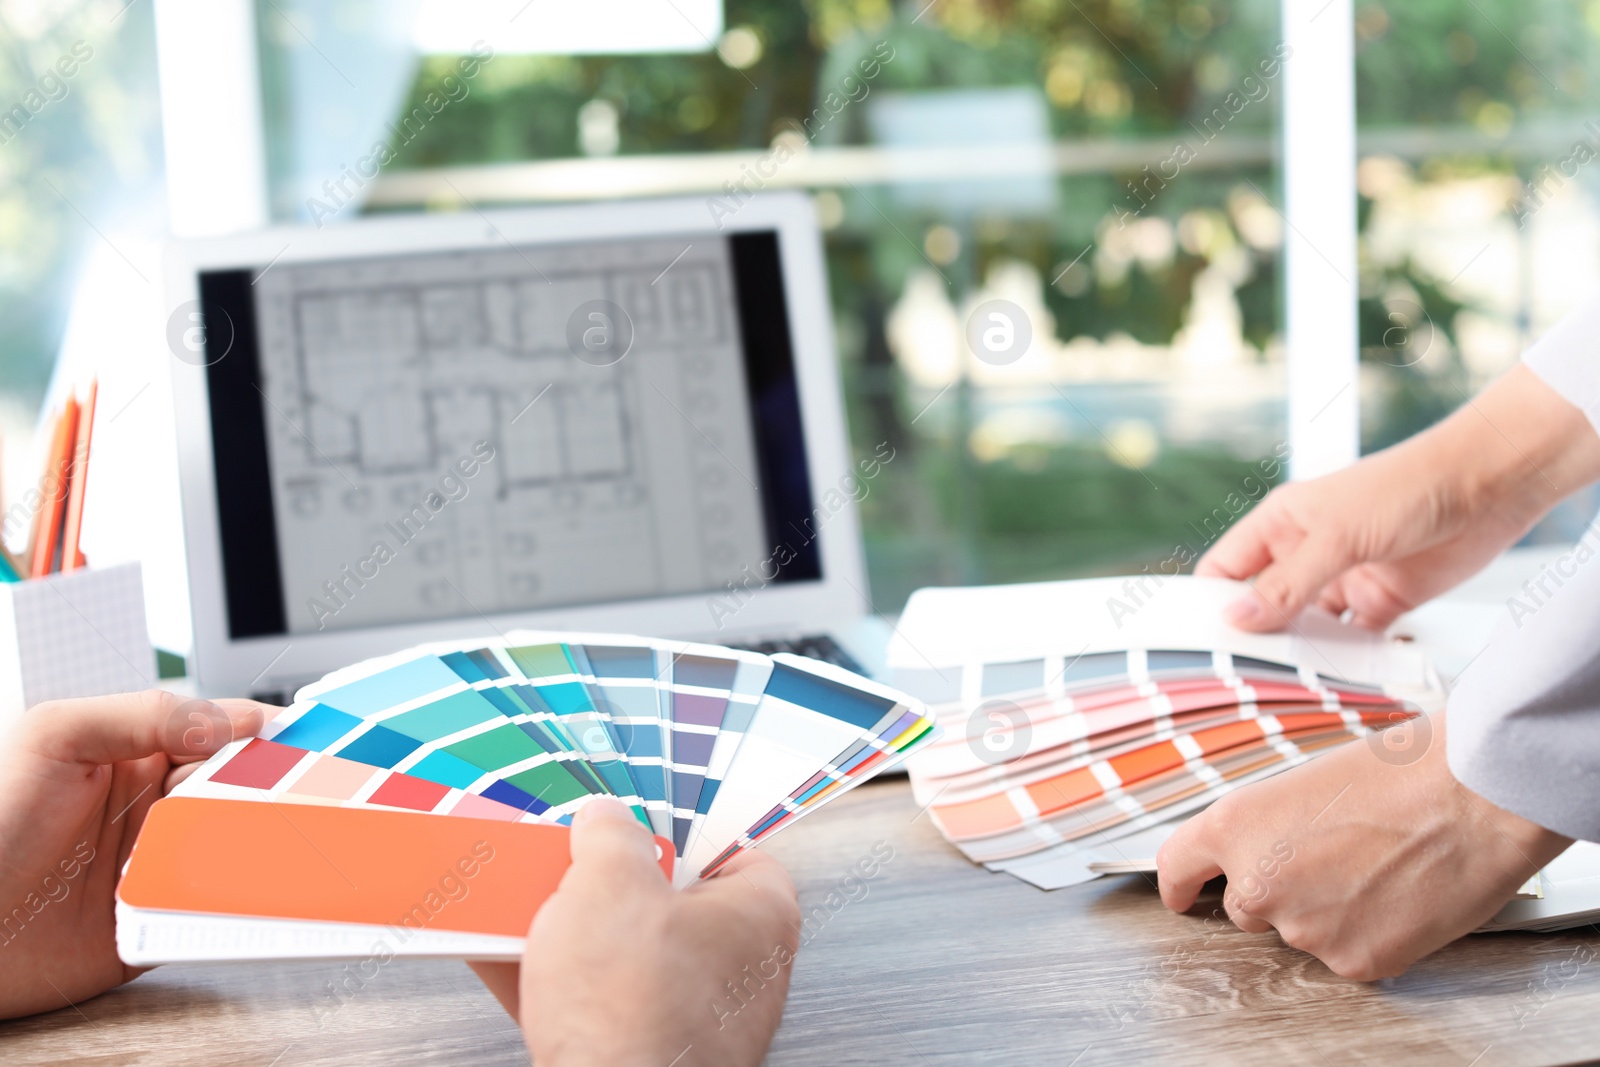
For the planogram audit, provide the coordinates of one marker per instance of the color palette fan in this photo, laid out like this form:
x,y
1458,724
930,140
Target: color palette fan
x,y
428,794
1059,763
1126,741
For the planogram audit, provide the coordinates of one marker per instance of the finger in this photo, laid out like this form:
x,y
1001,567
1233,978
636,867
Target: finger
x,y
1375,623
1286,586
203,733
1373,604
751,871
503,980
1244,548
757,886
1184,864
746,860
1332,600
135,789
177,776
1237,907
1239,560
131,726
610,843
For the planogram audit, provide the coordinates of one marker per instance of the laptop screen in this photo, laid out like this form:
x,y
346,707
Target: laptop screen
x,y
463,433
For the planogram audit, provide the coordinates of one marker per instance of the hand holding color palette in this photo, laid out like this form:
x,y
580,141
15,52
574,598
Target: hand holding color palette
x,y
423,798
1061,762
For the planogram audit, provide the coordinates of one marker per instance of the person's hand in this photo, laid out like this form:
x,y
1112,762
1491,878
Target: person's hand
x,y
1396,529
621,968
75,783
1365,863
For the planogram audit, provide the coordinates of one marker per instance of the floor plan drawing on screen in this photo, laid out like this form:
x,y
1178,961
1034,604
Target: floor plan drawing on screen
x,y
438,447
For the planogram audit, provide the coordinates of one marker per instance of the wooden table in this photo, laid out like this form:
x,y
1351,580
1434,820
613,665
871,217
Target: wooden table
x,y
933,961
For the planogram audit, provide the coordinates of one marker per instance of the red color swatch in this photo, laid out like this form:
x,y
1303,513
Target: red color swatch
x,y
404,791
259,765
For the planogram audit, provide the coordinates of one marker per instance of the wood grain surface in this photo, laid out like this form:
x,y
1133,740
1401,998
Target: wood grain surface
x,y
931,961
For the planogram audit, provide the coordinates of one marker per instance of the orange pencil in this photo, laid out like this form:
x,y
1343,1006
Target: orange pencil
x,y
54,487
71,558
32,549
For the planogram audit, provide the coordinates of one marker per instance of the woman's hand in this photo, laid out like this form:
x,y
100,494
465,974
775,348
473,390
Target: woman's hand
x,y
1404,525
75,783
1369,858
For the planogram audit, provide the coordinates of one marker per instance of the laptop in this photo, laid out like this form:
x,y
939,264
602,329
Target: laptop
x,y
609,417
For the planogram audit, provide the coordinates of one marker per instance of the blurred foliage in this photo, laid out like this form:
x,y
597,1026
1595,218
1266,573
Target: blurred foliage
x,y
1099,62
1487,62
1411,353
1493,66
1147,304
1107,69
1076,514
1117,67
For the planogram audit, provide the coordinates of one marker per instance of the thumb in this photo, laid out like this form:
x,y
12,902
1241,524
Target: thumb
x,y
1287,585
130,726
608,842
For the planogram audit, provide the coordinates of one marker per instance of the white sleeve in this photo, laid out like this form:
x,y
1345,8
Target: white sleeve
x,y
1567,358
1525,717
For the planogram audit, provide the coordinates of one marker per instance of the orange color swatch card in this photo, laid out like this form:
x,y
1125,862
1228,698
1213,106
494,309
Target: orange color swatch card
x,y
405,871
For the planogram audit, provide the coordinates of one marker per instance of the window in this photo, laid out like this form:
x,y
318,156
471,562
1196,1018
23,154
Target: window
x,y
80,163
1107,169
1479,200
1117,172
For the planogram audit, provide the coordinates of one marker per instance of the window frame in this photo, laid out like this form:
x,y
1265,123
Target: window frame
x,y
1320,266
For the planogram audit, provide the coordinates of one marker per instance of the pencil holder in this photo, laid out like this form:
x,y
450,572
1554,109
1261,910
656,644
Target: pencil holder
x,y
79,633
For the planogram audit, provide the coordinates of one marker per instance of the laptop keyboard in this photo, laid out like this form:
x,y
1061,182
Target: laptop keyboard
x,y
817,646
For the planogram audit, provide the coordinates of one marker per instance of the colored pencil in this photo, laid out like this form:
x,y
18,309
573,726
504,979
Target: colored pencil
x,y
9,570
33,526
48,535
64,468
71,557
